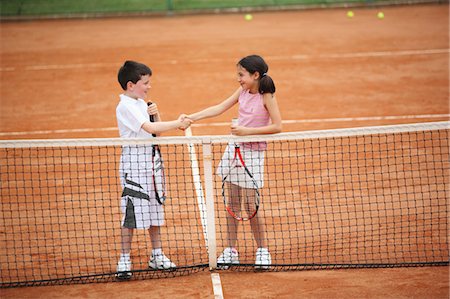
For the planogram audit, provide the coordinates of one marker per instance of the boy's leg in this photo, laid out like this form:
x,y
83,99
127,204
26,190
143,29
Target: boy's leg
x,y
158,259
124,263
125,239
155,236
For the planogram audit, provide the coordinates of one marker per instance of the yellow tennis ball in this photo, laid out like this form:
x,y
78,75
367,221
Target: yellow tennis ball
x,y
350,14
248,17
380,15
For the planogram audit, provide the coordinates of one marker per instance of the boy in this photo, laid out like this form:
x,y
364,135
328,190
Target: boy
x,y
139,206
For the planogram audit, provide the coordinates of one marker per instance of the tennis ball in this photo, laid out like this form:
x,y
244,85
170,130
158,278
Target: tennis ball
x,y
350,14
380,15
248,17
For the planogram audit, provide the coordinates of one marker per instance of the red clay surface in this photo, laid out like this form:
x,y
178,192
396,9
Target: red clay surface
x,y
61,75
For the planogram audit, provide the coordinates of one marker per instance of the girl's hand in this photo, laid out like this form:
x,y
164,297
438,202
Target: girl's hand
x,y
238,130
185,122
183,116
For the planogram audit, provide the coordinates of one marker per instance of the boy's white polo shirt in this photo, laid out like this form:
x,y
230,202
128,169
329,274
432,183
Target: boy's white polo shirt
x,y
131,115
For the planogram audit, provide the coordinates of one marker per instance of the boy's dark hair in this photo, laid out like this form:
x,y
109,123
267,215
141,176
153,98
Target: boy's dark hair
x,y
255,63
132,71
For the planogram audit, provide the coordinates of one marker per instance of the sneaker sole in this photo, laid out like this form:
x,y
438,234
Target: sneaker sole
x,y
124,275
223,267
226,266
163,269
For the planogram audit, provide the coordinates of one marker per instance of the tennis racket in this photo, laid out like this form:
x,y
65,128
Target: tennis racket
x,y
158,176
242,203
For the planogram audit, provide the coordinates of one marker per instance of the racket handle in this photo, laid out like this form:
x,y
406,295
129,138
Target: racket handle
x,y
235,121
151,117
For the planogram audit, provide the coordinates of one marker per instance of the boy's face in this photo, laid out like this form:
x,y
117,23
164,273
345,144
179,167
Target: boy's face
x,y
139,89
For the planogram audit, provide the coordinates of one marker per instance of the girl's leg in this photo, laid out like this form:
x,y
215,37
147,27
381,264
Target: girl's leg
x,y
232,224
230,254
257,225
257,222
263,258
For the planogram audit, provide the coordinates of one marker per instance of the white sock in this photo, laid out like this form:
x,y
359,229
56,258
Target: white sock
x,y
125,256
157,251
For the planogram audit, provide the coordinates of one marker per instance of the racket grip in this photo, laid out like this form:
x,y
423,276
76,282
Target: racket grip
x,y
151,117
235,122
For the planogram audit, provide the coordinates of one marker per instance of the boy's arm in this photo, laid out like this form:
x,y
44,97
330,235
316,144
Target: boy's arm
x,y
216,109
163,126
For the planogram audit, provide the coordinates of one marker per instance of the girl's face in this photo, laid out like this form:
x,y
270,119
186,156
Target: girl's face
x,y
248,81
139,89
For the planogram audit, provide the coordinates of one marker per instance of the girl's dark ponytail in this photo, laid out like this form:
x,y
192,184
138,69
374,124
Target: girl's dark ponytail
x,y
266,84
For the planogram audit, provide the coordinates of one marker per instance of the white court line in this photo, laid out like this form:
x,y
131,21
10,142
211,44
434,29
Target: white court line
x,y
224,124
339,119
217,286
376,54
64,131
203,60
7,69
69,66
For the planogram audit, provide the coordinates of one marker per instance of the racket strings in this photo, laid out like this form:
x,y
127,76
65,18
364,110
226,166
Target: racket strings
x,y
159,179
243,202
240,190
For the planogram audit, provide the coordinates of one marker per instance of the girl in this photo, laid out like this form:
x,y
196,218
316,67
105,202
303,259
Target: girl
x,y
258,114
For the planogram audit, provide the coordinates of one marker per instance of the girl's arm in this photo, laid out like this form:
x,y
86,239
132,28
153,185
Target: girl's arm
x,y
217,109
270,102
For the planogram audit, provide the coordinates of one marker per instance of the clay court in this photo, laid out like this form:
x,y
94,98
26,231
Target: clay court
x,y
58,80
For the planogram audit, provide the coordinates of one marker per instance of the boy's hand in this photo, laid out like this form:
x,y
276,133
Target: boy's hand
x,y
152,109
185,122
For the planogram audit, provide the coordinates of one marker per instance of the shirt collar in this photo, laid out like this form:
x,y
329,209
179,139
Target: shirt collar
x,y
124,97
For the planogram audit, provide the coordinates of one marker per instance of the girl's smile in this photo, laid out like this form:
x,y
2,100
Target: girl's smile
x,y
246,80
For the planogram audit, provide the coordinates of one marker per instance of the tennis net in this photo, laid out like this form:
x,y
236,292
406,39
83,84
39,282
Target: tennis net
x,y
347,198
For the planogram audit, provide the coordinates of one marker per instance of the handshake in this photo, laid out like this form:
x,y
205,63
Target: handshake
x,y
185,121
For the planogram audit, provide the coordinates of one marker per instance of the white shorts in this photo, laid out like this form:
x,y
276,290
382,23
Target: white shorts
x,y
254,160
138,204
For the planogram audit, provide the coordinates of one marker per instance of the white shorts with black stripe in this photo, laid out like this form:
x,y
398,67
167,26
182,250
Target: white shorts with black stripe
x,y
139,207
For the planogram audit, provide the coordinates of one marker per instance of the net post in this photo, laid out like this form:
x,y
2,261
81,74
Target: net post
x,y
210,221
198,186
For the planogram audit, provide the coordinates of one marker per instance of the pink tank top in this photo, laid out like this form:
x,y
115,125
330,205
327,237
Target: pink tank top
x,y
253,114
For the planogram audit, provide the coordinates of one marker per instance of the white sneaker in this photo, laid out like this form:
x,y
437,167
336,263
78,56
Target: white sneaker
x,y
124,269
263,259
228,257
161,262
